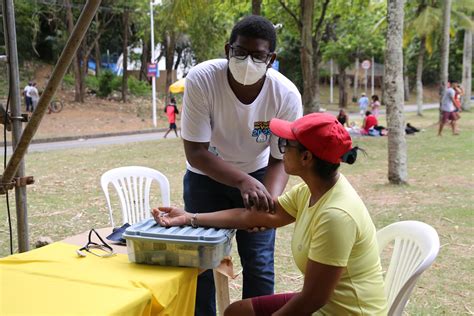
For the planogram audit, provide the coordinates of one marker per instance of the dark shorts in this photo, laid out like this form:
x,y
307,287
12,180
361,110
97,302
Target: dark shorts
x,y
172,125
448,116
269,304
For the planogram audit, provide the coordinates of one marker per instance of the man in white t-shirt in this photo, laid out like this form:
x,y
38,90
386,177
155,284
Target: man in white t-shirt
x,y
232,158
448,109
28,100
33,93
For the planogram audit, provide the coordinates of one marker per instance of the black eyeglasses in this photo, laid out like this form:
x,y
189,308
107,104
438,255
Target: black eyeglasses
x,y
283,143
258,56
100,250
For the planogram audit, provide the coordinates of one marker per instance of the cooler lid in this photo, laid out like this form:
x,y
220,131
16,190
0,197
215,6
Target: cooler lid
x,y
150,230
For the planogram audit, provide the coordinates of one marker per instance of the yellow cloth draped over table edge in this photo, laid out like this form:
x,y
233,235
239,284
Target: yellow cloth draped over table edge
x,y
54,280
178,86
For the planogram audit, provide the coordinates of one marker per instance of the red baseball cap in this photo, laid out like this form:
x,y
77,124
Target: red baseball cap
x,y
320,133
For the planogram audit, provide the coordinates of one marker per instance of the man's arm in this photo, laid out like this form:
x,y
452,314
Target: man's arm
x,y
275,177
253,192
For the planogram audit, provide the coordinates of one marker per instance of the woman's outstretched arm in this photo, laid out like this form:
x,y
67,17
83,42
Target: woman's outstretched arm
x,y
239,218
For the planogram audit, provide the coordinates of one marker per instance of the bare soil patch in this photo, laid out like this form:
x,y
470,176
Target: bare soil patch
x,y
98,116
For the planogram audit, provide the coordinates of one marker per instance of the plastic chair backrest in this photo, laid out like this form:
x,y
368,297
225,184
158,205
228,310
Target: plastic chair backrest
x,y
133,186
416,246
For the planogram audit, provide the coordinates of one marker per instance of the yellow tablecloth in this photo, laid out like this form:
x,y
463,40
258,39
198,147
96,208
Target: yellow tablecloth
x,y
53,280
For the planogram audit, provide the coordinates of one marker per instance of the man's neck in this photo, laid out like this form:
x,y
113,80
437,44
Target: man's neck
x,y
245,93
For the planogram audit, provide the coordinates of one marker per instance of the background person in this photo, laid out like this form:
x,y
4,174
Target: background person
x,y
363,104
343,118
34,94
371,126
26,94
171,111
233,161
458,93
375,105
448,109
334,240
370,121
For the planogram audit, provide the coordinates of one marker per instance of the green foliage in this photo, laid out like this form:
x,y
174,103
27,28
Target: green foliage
x,y
356,36
26,22
289,58
352,28
68,80
92,82
137,87
116,83
105,84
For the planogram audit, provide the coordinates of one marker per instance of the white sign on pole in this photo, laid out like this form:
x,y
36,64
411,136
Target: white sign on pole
x,y
373,74
366,64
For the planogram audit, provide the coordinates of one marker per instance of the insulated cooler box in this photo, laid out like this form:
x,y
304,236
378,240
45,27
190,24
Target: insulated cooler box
x,y
184,246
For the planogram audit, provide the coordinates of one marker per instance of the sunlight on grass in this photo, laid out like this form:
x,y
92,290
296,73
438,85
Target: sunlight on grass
x,y
67,199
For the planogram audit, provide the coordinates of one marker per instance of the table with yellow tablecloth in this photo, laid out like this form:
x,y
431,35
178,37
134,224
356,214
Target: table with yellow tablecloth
x,y
53,280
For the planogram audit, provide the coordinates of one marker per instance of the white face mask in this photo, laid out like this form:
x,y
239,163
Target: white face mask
x,y
246,72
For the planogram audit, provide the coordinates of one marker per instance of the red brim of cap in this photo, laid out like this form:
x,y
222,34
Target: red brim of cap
x,y
282,128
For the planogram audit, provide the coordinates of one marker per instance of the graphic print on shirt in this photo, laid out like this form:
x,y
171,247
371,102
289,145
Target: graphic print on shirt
x,y
261,131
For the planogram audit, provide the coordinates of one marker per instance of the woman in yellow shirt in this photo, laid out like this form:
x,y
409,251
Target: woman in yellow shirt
x,y
334,242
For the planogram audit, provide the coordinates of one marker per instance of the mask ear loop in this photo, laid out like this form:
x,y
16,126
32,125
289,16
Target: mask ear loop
x,y
80,252
101,240
351,156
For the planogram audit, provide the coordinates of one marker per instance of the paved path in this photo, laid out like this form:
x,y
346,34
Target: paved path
x,y
140,137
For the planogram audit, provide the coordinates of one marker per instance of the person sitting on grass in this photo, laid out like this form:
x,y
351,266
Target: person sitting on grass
x,y
334,241
371,126
343,118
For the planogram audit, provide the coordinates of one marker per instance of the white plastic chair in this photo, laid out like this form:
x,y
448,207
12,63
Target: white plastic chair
x,y
416,247
133,186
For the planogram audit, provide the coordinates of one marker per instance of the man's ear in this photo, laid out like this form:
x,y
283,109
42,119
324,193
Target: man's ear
x,y
272,59
227,50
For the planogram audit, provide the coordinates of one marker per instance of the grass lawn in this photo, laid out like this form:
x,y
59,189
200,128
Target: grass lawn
x,y
66,199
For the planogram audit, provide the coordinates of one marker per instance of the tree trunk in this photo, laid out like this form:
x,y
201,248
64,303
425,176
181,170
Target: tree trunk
x,y
97,58
467,70
419,78
406,80
393,94
125,55
356,77
307,11
83,69
97,50
170,48
75,61
315,89
444,48
256,6
342,88
144,59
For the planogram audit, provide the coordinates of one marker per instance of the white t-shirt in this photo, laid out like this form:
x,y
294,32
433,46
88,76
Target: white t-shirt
x,y
238,133
33,93
447,100
27,90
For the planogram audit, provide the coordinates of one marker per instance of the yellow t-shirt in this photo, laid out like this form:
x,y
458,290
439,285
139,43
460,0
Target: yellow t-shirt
x,y
338,231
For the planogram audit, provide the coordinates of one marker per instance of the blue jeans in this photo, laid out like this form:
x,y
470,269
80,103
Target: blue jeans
x,y
203,195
